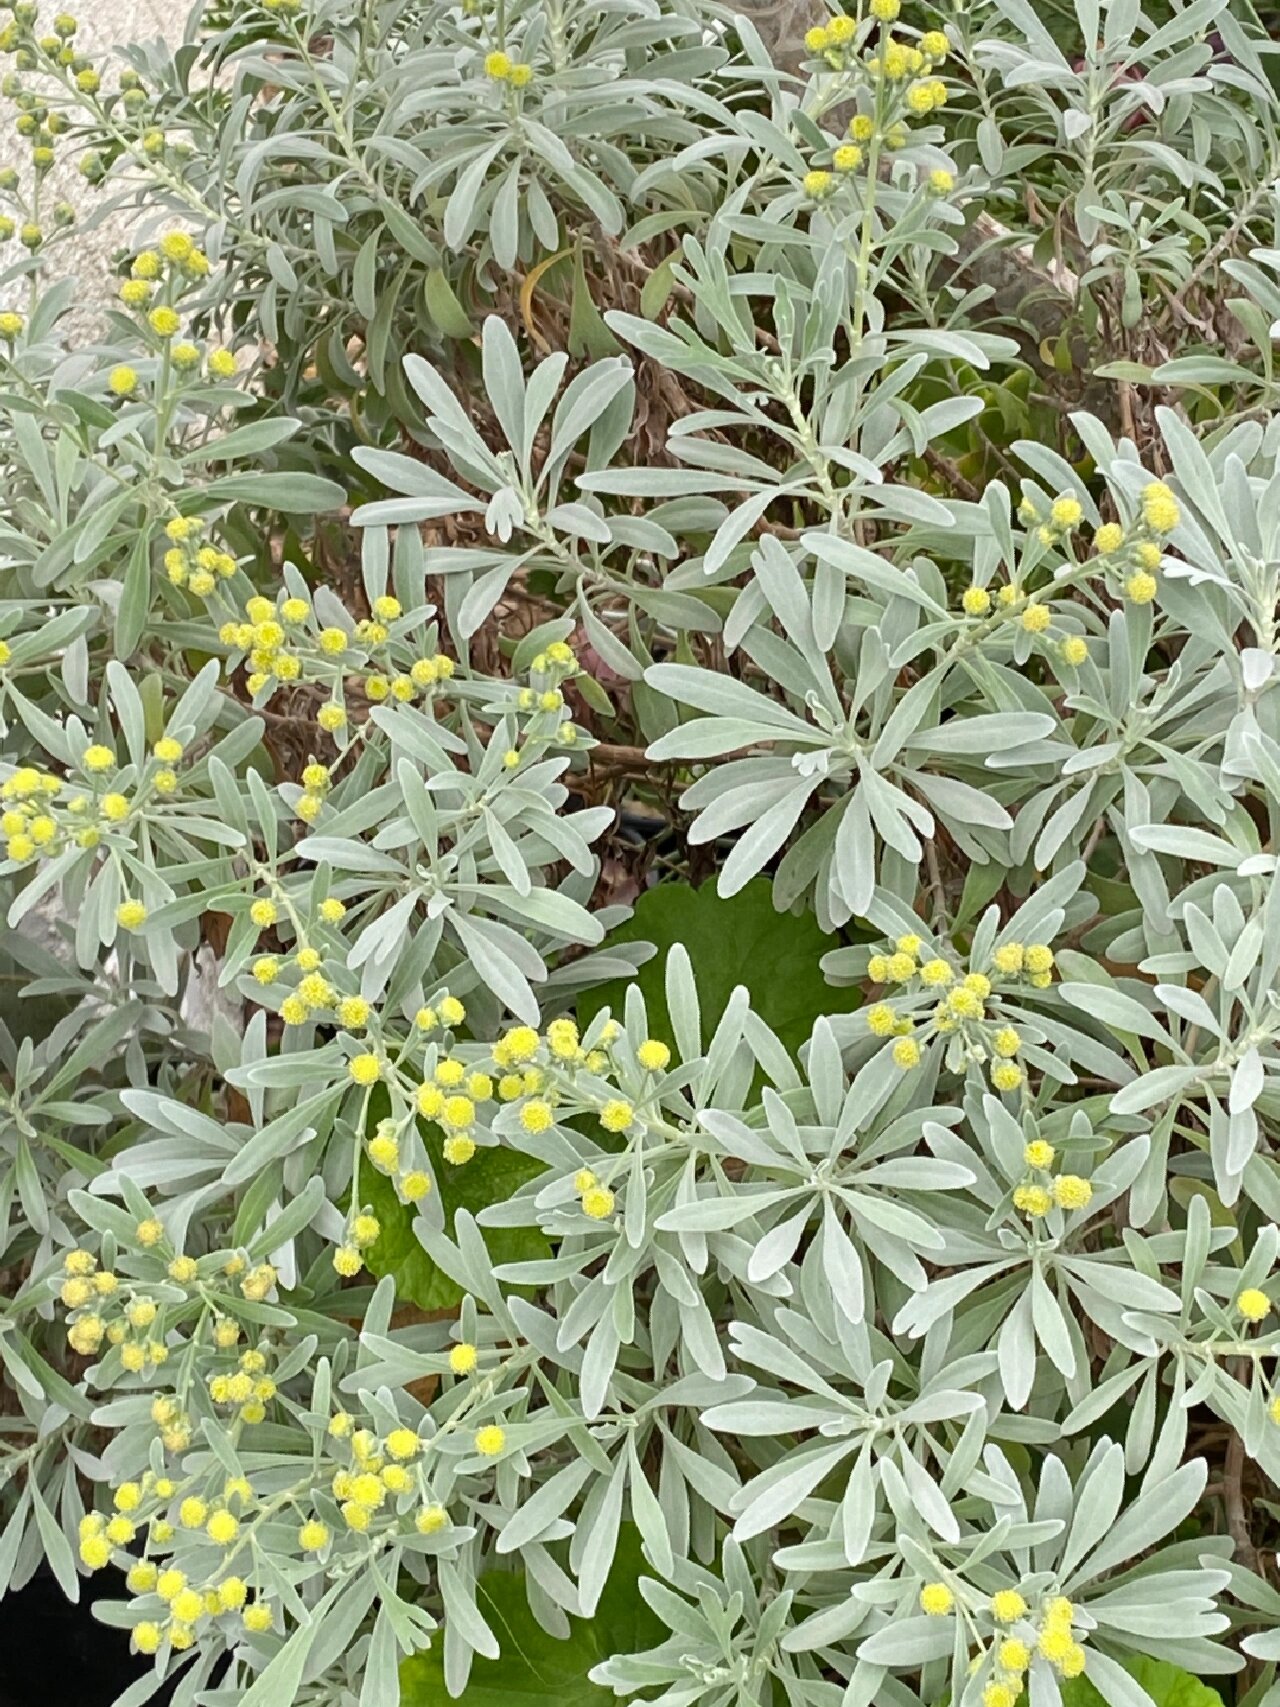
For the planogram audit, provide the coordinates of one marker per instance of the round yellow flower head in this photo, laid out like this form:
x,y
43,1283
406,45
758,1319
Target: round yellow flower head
x,y
459,1112
1013,1655
934,45
617,1116
1253,1304
995,1694
131,915
817,184
936,1600
431,1519
1007,1606
885,11
906,1054
941,182
1065,512
1148,554
415,1186
313,1536
364,1069
537,1115
384,1152
498,66
222,1528
462,1358
146,1637
365,1230
1039,1153
1072,1192
258,1282
1108,539
562,1039
965,1003
164,321
653,1055
1006,1041
403,1444
490,1440
1075,650
1036,618
256,1618
881,1019
598,1202
1056,1643
1160,508
1033,1200
1006,1076
192,1512
347,1261
847,158
1141,588
1039,958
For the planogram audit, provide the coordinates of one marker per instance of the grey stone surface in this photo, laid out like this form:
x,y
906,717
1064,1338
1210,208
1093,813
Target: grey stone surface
x,y
89,250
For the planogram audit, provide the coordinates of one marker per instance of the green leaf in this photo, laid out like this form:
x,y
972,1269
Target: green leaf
x,y
491,1176
535,1668
1167,1685
742,940
295,493
443,306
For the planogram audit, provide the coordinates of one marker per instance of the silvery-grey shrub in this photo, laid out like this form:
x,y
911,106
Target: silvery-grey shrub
x,y
893,1354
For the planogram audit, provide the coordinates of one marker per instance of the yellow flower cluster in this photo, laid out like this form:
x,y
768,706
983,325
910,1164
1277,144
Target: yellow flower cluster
x,y
1032,614
1136,554
282,643
897,75
42,815
499,67
1038,1193
157,279
963,1006
1056,1640
363,1230
188,563
381,1484
242,1383
172,1606
1014,1636
126,1323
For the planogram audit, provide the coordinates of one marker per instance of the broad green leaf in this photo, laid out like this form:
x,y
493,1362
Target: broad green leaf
x,y
742,940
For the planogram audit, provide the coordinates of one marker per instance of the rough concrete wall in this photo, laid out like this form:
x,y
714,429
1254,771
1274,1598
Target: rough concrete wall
x,y
93,243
